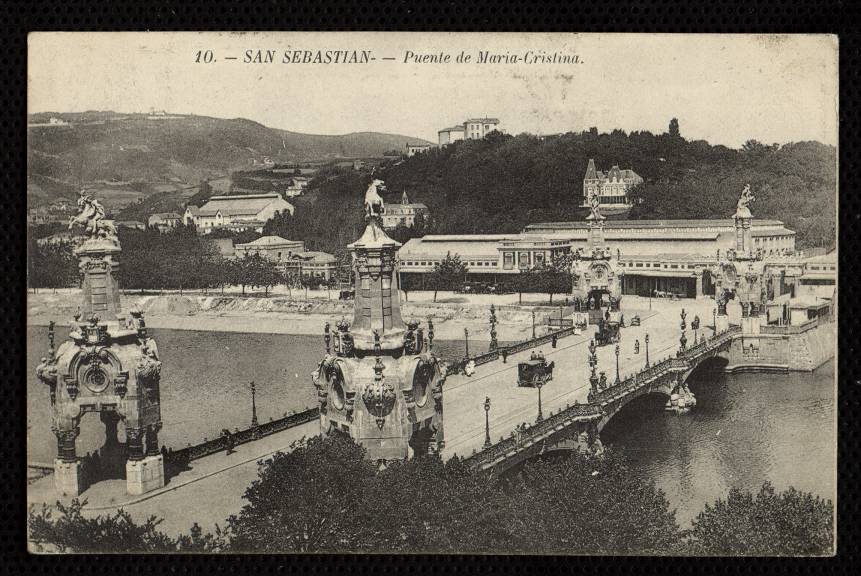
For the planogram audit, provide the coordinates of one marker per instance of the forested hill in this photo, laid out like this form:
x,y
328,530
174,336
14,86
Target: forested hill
x,y
502,183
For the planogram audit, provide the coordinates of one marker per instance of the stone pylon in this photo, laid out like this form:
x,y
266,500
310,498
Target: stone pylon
x,y
380,383
108,365
741,275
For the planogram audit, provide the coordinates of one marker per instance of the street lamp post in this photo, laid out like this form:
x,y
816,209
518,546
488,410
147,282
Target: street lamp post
x,y
493,342
617,364
714,319
253,409
539,385
487,421
466,339
647,350
533,324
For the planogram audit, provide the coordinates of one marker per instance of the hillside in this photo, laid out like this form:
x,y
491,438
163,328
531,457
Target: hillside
x,y
137,155
502,183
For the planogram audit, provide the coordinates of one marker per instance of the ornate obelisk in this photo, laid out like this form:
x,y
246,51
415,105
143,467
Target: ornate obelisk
x,y
380,383
108,365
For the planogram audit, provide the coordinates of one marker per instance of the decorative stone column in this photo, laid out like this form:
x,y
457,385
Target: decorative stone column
x,y
144,470
67,467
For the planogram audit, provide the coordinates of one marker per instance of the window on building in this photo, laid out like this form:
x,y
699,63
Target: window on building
x,y
508,260
524,259
539,258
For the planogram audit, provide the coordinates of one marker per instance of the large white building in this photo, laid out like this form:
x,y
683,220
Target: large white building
x,y
236,213
665,255
472,129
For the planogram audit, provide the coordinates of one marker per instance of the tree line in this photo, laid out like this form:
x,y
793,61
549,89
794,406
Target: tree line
x,y
502,183
325,496
176,260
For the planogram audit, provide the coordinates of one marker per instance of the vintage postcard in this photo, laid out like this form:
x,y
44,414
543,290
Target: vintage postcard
x,y
432,292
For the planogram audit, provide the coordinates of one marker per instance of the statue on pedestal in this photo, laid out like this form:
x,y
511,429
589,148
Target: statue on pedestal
x,y
374,205
91,215
742,208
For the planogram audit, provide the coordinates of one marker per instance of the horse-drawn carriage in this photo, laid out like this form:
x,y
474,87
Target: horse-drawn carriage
x,y
608,332
635,320
535,372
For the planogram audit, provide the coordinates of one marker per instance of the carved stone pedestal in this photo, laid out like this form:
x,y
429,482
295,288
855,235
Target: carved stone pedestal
x,y
144,475
750,325
722,323
67,478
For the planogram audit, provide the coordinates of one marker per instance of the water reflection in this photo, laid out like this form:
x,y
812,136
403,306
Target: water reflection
x,y
745,429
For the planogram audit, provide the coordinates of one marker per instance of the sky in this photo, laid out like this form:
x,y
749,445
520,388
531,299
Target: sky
x,y
725,89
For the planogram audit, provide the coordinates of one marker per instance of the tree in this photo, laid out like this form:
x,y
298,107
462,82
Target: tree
x,y
308,500
436,507
448,274
67,530
674,128
790,523
591,505
51,266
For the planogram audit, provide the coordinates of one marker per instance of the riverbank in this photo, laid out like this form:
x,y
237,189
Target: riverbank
x,y
281,314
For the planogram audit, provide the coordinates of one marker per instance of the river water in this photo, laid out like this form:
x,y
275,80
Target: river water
x,y
745,429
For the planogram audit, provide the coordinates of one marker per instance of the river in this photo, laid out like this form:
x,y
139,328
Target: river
x,y
745,429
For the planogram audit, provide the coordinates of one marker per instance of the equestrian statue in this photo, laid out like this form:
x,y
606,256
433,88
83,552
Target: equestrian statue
x,y
91,216
374,205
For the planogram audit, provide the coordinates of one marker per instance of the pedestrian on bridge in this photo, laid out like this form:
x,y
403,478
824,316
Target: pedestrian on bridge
x,y
637,346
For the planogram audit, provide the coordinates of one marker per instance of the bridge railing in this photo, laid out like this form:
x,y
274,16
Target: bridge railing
x,y
456,367
537,431
184,455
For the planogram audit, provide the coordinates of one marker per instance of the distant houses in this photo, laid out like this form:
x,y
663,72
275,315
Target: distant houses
x,y
132,224
471,129
236,213
164,221
403,214
291,255
413,149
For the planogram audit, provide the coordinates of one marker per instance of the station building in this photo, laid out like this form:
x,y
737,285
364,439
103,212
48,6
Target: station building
x,y
668,256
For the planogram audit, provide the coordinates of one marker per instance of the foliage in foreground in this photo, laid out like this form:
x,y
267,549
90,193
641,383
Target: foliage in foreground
x,y
324,496
768,523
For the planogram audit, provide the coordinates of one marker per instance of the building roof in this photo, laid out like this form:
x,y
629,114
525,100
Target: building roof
x,y
392,209
316,257
269,241
192,209
248,204
634,224
164,216
590,171
129,223
467,246
456,128
484,120
409,145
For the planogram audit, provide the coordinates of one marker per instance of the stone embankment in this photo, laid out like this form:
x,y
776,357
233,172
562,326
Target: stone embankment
x,y
285,315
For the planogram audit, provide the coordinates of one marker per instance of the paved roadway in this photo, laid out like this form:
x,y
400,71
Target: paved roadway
x,y
210,491
511,405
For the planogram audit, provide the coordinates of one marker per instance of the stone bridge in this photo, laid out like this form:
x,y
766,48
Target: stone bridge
x,y
578,425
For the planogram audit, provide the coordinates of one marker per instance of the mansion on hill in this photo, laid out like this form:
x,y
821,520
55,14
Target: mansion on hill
x,y
611,187
472,129
403,214
236,213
